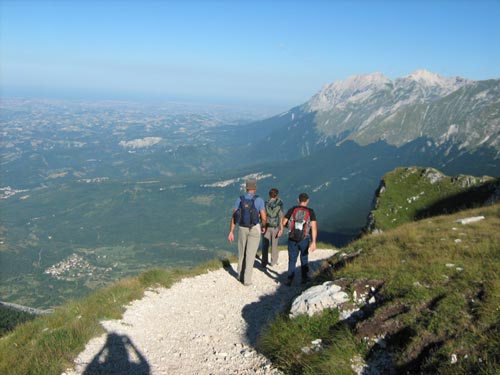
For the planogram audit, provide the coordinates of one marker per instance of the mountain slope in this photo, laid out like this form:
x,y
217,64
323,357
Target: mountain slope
x,y
469,117
369,108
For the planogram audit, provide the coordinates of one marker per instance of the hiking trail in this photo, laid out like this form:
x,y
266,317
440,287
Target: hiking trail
x,y
203,325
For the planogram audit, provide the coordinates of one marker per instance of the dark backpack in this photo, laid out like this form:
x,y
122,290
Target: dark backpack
x,y
273,209
299,223
246,215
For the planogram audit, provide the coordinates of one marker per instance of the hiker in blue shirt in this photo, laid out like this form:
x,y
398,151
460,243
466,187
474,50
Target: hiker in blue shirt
x,y
249,213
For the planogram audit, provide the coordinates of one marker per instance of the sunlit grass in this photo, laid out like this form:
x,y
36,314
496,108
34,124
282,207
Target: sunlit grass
x,y
445,274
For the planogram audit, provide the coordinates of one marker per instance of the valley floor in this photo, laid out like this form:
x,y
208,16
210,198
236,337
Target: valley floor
x,y
207,324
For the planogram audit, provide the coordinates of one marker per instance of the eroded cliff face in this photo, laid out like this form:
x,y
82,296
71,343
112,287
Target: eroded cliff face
x,y
370,224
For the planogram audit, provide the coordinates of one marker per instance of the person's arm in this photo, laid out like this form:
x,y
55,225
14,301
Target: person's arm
x,y
314,233
230,236
280,231
284,221
263,220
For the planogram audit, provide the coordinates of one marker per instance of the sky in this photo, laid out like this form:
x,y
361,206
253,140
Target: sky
x,y
274,53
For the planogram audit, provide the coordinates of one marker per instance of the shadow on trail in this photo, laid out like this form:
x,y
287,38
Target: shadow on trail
x,y
118,356
229,268
257,265
258,314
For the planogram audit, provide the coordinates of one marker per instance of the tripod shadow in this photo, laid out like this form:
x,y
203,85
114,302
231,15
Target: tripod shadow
x,y
118,356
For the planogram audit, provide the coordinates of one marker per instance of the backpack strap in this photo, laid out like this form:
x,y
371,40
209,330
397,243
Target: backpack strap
x,y
292,216
242,198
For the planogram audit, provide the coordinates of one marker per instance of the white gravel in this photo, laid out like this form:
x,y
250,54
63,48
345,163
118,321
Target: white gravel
x,y
206,324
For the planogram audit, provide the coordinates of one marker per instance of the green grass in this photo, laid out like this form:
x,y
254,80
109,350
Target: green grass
x,y
293,336
411,195
48,344
438,297
10,318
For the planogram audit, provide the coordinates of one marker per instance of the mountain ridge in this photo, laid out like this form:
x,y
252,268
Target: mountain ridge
x,y
358,87
369,108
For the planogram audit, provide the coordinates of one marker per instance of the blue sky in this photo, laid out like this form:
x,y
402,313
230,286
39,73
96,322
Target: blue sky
x,y
275,53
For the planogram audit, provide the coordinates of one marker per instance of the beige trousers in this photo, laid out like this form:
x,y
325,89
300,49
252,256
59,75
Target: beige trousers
x,y
248,243
270,238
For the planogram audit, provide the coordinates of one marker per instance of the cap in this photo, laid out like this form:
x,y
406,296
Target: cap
x,y
251,185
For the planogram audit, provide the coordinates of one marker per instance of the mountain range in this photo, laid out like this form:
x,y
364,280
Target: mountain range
x,y
342,141
91,192
447,112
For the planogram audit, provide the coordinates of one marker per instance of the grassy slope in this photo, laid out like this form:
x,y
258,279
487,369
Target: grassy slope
x,y
411,193
437,291
10,318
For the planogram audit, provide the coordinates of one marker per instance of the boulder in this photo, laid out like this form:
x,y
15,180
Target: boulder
x,y
317,298
469,220
433,175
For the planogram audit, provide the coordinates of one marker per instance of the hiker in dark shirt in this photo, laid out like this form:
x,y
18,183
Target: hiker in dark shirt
x,y
274,228
302,233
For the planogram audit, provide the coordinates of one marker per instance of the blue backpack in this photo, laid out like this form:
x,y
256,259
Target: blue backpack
x,y
247,215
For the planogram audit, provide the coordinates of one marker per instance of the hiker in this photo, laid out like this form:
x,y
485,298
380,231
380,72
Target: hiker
x,y
249,213
302,232
274,228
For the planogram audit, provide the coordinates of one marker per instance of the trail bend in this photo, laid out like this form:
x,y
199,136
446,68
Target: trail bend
x,y
204,325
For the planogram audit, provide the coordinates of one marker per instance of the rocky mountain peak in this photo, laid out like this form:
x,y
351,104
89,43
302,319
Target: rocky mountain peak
x,y
354,89
426,77
431,81
359,88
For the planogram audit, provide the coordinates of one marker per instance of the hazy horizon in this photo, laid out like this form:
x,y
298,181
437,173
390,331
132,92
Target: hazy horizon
x,y
252,54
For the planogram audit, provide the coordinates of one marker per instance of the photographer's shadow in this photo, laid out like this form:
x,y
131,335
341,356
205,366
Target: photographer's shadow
x,y
118,356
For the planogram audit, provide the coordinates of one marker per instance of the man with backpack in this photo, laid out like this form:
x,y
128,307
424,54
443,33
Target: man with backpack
x,y
274,228
249,213
302,232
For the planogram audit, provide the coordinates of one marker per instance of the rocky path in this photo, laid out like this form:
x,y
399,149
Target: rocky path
x,y
207,324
